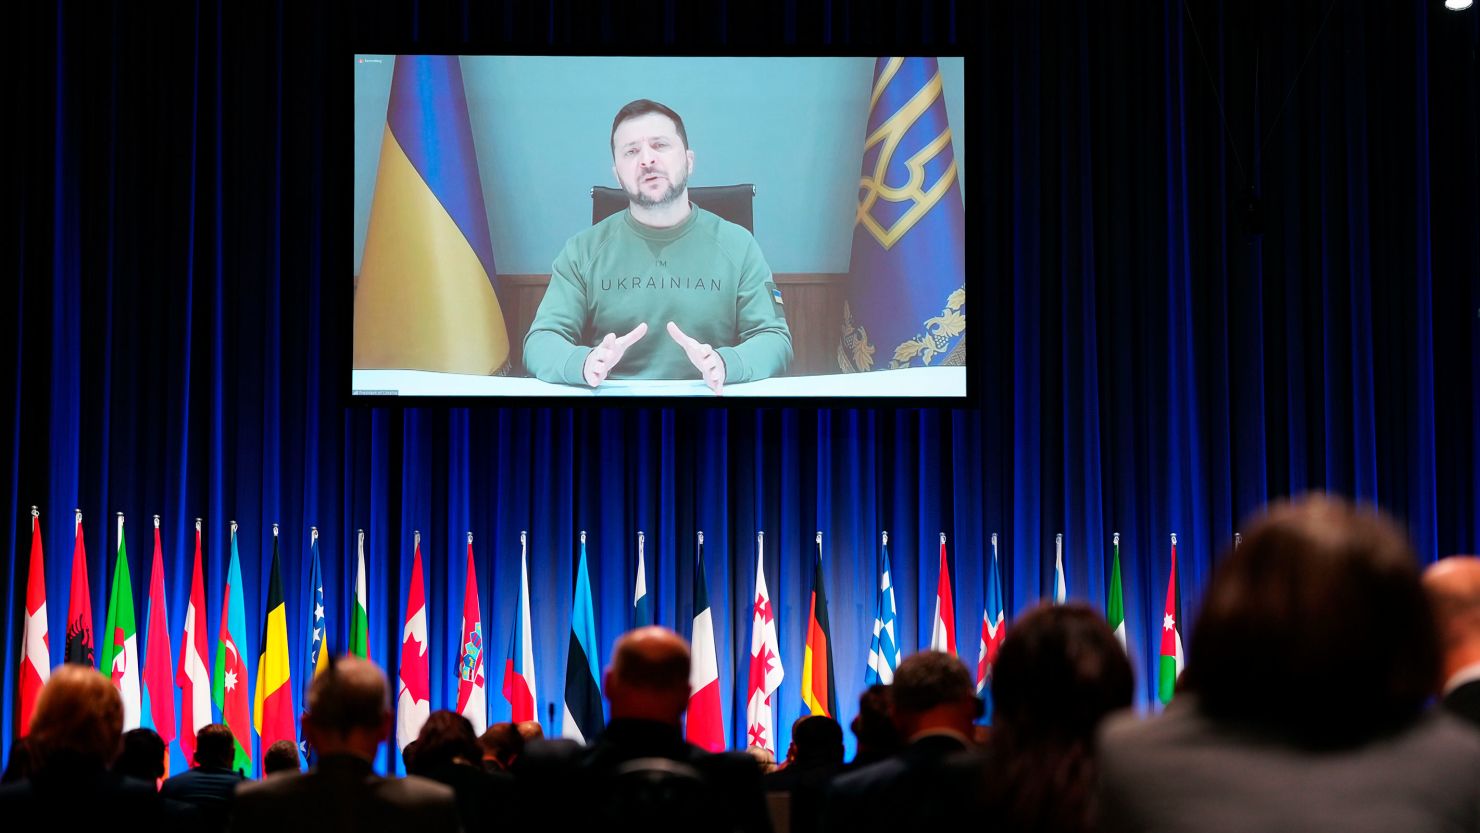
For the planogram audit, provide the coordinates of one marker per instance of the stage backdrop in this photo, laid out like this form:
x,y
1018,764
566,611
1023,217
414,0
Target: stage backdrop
x,y
1201,287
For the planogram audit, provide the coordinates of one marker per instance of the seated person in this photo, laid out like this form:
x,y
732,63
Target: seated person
x,y
212,783
663,263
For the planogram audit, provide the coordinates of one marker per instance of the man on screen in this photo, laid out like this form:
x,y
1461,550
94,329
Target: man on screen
x,y
662,264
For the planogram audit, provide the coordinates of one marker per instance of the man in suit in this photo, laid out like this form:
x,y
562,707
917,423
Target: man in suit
x,y
640,766
211,784
348,717
1453,585
815,757
929,781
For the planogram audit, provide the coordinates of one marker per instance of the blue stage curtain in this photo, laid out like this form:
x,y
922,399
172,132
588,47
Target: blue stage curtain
x,y
1202,288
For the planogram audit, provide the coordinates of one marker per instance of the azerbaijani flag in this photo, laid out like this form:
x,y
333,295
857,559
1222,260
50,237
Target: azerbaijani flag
x,y
818,690
359,623
159,692
1115,605
120,657
36,664
229,681
273,714
705,726
1171,637
943,627
192,678
519,687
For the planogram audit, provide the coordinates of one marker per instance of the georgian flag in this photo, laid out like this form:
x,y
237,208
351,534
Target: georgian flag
x,y
705,727
413,700
765,661
943,629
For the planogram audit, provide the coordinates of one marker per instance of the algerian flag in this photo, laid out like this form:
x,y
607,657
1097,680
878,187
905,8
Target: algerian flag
x,y
1115,607
120,658
359,624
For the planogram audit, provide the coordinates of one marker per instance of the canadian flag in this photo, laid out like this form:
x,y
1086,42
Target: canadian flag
x,y
36,665
413,702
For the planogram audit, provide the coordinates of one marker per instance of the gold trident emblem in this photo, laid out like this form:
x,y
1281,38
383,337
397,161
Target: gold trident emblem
x,y
891,133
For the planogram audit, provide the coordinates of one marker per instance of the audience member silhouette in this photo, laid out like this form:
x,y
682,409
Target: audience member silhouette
x,y
501,744
1453,585
1304,708
348,718
281,757
1058,674
873,726
142,757
211,784
813,758
448,752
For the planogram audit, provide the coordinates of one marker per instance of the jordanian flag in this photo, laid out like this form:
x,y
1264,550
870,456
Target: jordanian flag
x,y
1115,605
359,623
120,657
272,709
229,682
1171,637
818,690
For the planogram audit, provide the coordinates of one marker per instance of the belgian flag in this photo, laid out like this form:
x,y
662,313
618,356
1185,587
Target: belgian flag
x,y
273,705
818,690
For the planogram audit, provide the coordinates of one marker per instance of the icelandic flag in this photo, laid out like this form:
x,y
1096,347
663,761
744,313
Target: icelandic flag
x,y
906,294
472,689
642,611
943,628
765,661
705,726
519,688
427,293
582,718
994,629
883,651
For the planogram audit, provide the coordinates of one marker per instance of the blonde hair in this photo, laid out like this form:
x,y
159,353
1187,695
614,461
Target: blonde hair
x,y
78,718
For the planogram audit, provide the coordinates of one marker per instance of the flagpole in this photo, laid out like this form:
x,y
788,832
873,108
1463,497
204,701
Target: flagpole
x,y
1238,538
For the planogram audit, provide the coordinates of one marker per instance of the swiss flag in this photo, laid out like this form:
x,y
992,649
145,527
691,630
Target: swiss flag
x,y
36,664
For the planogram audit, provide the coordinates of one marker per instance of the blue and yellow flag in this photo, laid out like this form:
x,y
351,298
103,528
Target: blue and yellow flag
x,y
426,297
906,299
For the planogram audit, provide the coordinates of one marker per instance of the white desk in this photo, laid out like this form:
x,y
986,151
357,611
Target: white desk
x,y
908,382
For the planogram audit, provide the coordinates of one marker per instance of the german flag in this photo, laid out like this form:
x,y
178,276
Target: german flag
x,y
272,711
818,691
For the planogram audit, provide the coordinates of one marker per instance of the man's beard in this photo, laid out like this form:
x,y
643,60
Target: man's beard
x,y
675,187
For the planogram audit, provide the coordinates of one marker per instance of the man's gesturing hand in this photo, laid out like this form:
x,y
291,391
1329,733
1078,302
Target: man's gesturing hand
x,y
604,356
711,366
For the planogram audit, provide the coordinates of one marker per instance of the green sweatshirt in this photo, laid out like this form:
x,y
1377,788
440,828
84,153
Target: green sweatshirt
x,y
706,274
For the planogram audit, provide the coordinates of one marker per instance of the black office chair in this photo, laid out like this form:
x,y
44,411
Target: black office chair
x,y
732,202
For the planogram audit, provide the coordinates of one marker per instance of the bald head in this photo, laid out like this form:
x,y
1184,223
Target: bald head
x,y
649,676
1453,585
349,708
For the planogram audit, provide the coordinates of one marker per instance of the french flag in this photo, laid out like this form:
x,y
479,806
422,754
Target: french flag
x,y
519,687
705,725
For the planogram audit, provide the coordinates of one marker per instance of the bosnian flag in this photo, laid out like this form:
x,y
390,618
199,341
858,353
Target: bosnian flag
x,y
36,665
994,628
705,727
192,677
159,694
413,700
472,693
943,629
765,661
519,663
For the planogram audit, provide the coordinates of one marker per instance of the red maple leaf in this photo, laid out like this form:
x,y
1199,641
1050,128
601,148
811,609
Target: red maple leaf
x,y
763,608
414,668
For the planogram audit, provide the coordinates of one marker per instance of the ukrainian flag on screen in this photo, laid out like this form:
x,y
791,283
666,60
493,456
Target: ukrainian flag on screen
x,y
906,294
426,297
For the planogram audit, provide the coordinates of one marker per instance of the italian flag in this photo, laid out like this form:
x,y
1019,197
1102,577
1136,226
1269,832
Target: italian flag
x,y
1171,637
121,639
359,623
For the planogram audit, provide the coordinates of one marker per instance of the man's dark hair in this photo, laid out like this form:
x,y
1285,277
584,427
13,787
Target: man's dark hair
x,y
929,679
446,738
819,740
214,746
1317,628
142,756
503,742
281,756
878,737
642,107
350,694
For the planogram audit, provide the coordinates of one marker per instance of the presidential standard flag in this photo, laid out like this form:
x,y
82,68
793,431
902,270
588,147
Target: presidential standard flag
x,y
229,679
1060,584
413,696
642,612
1171,637
427,293
120,658
883,650
765,661
472,688
519,687
1115,605
272,710
994,629
705,724
359,623
818,690
906,294
192,677
36,664
582,717
159,691
943,627
79,604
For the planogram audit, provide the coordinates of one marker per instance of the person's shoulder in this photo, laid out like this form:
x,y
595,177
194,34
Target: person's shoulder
x,y
730,236
414,790
591,239
865,778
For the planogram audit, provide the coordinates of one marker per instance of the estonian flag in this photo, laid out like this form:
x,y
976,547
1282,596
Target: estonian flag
x,y
582,718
